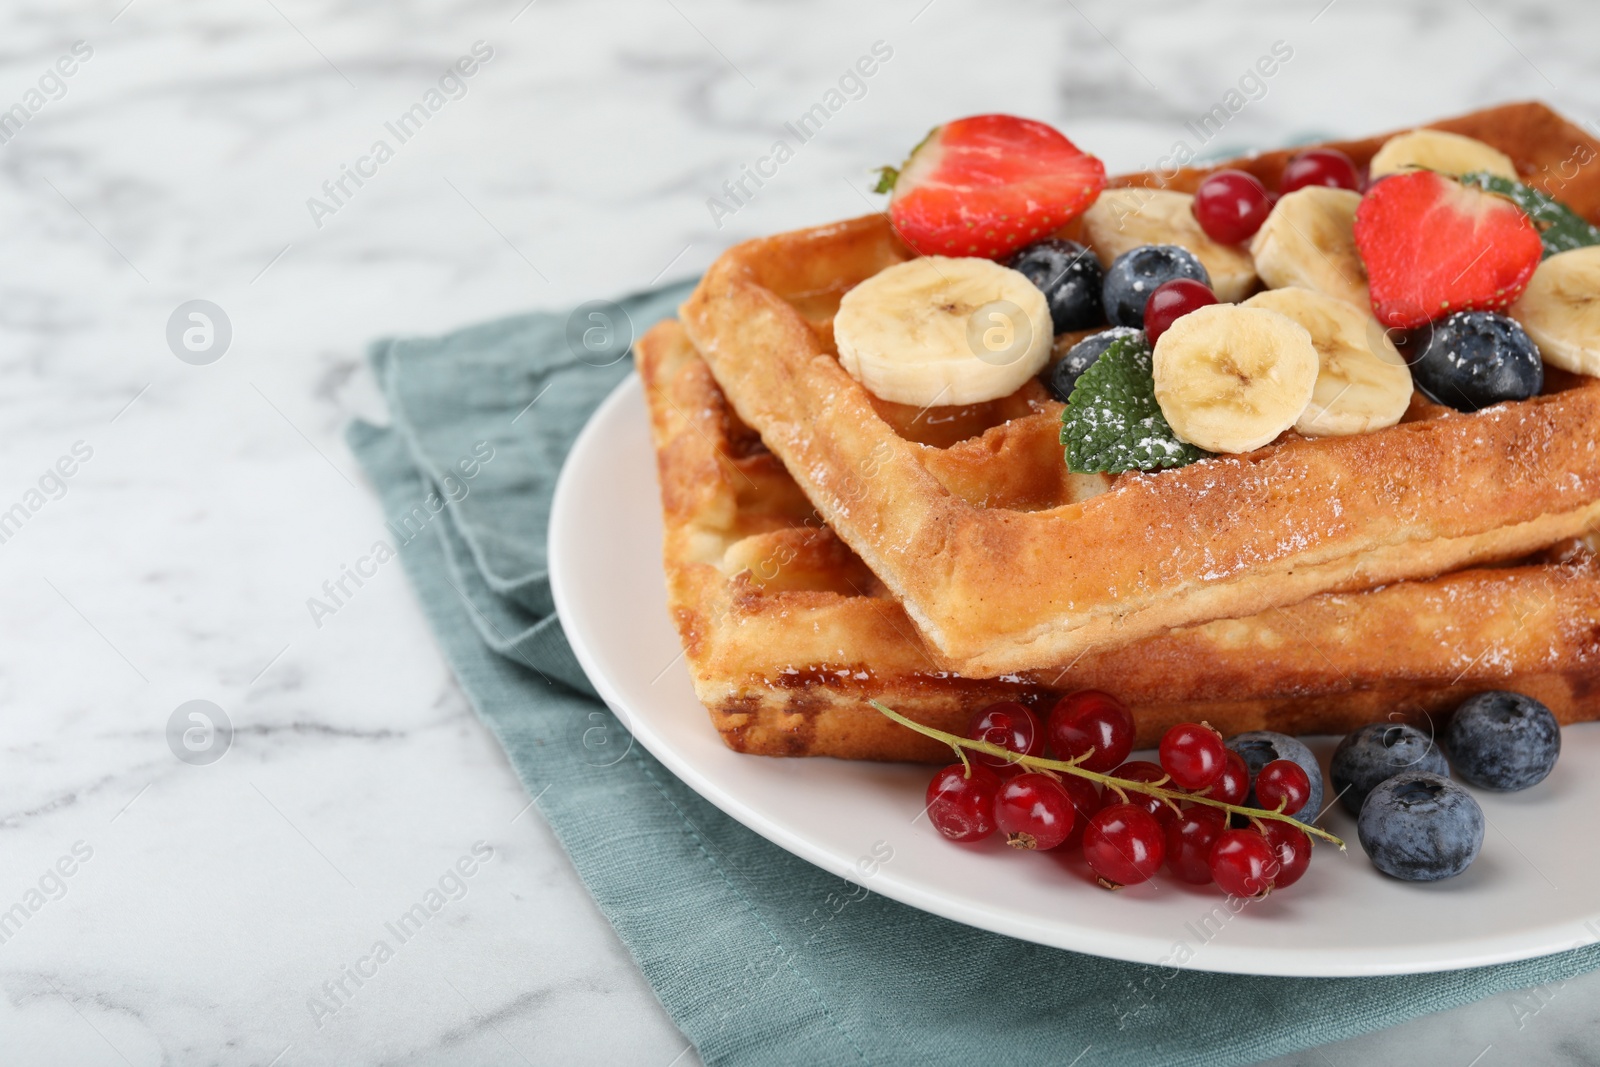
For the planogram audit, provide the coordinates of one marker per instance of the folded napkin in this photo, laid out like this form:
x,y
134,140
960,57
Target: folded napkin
x,y
760,957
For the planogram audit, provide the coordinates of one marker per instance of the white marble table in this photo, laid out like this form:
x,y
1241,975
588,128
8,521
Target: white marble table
x,y
208,904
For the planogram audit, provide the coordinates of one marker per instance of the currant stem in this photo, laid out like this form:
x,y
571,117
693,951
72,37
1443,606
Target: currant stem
x,y
1120,785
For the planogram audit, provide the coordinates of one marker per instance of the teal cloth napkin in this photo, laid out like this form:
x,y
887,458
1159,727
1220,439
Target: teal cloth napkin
x,y
760,957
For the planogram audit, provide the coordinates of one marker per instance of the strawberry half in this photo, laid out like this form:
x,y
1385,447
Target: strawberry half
x,y
988,185
1433,246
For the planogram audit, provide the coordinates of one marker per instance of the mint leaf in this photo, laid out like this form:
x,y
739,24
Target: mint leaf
x,y
1560,228
1112,422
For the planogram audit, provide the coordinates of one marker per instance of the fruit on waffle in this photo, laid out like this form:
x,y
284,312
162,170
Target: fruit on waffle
x,y
789,635
1221,460
1029,178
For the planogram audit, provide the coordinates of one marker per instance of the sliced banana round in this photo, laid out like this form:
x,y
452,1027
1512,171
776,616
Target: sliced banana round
x,y
1309,241
1363,383
942,331
1124,219
1560,310
1448,153
1231,378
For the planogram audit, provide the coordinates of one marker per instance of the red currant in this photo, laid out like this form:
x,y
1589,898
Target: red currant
x,y
1242,863
1034,811
1189,842
1124,845
1231,205
1292,849
1086,801
1193,753
1319,166
1009,725
1234,783
1091,719
1171,301
962,807
1283,782
1140,770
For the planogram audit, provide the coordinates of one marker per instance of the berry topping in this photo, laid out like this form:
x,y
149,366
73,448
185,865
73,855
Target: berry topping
x,y
1234,783
1060,377
1260,747
1171,301
1432,246
1124,845
1283,786
1560,228
1319,166
962,807
1292,848
988,185
1140,770
1376,752
1070,277
1034,811
1420,827
1193,754
1009,725
1090,719
1500,740
1242,863
1231,205
1189,843
1137,273
1477,358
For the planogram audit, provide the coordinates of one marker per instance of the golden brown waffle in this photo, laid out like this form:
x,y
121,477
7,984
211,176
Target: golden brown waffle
x,y
1005,564
788,634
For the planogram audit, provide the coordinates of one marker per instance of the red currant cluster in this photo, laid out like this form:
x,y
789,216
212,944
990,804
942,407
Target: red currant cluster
x,y
1230,205
1129,816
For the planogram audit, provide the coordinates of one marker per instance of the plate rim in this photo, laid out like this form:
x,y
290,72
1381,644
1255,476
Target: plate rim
x,y
1108,943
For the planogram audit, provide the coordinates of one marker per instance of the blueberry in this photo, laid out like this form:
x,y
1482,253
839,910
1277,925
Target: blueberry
x,y
1420,827
1477,358
1376,752
1064,373
1260,747
1137,273
1500,740
1070,278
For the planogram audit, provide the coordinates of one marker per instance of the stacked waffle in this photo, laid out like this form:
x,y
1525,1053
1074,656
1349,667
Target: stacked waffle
x,y
825,547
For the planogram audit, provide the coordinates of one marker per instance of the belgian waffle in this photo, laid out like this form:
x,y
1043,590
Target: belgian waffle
x,y
1004,563
788,634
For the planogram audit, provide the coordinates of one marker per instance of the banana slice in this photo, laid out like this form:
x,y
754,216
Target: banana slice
x,y
1308,241
1363,384
943,331
1560,309
1123,219
1449,153
1231,379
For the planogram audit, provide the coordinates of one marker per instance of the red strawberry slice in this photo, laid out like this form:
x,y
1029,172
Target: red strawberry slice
x,y
1433,246
987,185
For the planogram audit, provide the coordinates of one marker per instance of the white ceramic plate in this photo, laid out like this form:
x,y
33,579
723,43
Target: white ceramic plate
x,y
1534,889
